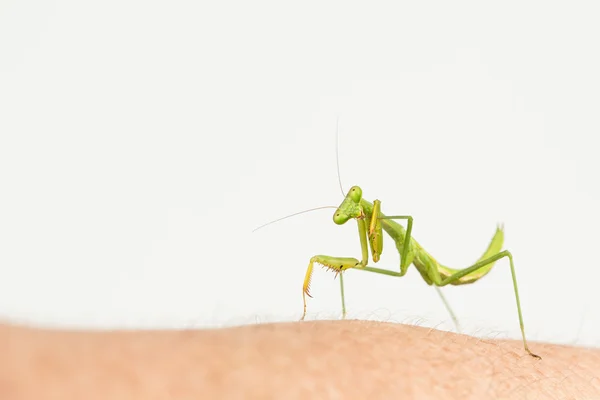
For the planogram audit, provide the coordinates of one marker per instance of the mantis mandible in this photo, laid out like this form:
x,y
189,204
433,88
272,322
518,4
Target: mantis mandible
x,y
371,224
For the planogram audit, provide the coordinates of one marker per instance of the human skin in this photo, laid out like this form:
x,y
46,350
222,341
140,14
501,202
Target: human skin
x,y
301,360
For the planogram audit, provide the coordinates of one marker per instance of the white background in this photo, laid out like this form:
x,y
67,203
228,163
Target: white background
x,y
142,141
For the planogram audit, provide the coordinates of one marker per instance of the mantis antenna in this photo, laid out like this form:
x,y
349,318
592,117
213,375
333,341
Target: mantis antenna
x,y
291,215
337,161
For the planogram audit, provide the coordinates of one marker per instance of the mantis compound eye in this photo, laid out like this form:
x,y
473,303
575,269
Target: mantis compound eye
x,y
340,218
355,194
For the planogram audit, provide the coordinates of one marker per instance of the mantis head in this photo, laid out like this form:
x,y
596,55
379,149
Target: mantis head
x,y
350,207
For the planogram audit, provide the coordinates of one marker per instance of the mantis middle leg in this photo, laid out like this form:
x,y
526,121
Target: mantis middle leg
x,y
406,258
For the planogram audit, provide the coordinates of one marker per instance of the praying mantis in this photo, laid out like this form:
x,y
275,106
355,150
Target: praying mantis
x,y
371,224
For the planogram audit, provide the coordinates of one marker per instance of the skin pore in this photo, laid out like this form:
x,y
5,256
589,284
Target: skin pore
x,y
315,359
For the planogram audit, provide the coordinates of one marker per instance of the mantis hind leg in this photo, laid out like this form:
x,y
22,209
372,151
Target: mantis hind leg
x,y
448,308
481,265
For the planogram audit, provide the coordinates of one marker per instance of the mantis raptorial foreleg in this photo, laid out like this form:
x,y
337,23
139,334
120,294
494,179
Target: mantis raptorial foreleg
x,y
336,264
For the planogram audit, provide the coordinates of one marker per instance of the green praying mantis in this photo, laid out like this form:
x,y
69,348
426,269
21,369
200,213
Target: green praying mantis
x,y
371,224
